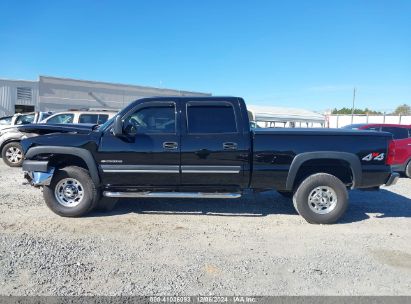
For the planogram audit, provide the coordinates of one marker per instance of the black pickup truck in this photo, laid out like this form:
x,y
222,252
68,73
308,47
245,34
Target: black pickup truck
x,y
191,147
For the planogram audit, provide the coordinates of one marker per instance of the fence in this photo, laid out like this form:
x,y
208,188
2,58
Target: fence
x,y
338,121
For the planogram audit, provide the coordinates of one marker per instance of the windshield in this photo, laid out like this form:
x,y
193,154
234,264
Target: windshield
x,y
5,120
25,119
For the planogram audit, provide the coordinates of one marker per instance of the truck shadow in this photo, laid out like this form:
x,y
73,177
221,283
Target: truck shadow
x,y
376,204
363,205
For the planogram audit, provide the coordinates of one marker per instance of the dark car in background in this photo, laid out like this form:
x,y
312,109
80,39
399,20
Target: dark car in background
x,y
402,141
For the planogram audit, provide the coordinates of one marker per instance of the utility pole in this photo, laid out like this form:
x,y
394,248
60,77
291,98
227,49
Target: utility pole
x,y
353,107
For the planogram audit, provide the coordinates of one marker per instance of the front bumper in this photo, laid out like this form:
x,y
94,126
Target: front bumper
x,y
393,179
38,179
37,173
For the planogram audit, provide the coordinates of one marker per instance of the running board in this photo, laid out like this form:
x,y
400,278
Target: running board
x,y
171,194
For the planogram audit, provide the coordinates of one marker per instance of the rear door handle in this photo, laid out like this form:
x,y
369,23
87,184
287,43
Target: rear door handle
x,y
170,145
230,146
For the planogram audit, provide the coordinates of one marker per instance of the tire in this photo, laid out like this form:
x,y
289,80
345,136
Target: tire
x,y
408,170
287,194
12,154
71,192
328,202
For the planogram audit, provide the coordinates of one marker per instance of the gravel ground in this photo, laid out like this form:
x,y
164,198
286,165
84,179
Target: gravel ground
x,y
254,245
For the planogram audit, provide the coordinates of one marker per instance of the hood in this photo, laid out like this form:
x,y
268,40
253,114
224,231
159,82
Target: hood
x,y
8,129
42,129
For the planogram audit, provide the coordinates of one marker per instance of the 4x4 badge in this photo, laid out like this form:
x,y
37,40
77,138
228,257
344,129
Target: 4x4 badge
x,y
374,156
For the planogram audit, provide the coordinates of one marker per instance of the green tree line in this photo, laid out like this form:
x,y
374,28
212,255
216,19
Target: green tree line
x,y
403,109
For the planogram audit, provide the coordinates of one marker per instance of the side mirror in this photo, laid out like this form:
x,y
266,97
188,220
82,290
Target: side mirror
x,y
118,126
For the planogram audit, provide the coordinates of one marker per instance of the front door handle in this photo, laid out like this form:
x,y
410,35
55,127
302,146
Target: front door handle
x,y
170,145
230,146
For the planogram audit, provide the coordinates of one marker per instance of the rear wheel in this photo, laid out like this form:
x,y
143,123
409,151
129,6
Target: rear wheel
x,y
12,154
71,192
321,199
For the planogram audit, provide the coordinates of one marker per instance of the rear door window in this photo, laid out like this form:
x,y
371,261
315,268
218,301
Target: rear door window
x,y
398,133
206,119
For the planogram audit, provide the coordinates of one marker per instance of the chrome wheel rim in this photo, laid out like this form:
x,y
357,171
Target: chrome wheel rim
x,y
14,155
322,199
69,192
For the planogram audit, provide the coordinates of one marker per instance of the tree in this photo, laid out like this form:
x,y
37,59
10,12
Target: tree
x,y
403,109
347,111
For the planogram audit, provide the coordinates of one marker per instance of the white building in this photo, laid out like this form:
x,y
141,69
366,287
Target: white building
x,y
339,121
58,94
281,117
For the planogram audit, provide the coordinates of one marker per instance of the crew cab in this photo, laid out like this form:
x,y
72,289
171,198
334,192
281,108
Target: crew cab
x,y
402,141
202,147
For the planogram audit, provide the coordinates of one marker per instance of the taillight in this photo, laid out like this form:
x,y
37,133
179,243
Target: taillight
x,y
391,153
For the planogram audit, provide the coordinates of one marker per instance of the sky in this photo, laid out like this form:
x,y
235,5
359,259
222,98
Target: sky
x,y
308,54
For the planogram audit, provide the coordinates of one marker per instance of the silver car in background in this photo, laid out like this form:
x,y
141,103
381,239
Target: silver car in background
x,y
10,137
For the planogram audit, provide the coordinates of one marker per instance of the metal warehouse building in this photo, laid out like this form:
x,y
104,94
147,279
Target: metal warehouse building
x,y
59,94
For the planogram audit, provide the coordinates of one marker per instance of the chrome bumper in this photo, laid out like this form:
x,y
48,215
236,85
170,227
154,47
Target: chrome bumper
x,y
393,179
38,179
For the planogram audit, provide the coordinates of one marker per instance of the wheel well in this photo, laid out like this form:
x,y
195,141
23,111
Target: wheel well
x,y
8,142
61,160
339,168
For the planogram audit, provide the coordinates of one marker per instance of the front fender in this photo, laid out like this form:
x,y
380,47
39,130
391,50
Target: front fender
x,y
84,154
10,137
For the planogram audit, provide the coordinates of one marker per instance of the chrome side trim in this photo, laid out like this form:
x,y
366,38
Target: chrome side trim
x,y
211,169
171,194
170,169
140,169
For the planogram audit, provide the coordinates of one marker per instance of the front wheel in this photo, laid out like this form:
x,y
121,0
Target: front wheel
x,y
12,154
321,199
71,192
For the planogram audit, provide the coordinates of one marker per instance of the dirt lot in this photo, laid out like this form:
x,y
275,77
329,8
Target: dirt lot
x,y
253,246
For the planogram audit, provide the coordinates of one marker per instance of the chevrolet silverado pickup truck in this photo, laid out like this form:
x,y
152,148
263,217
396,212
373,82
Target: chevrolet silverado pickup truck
x,y
202,147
